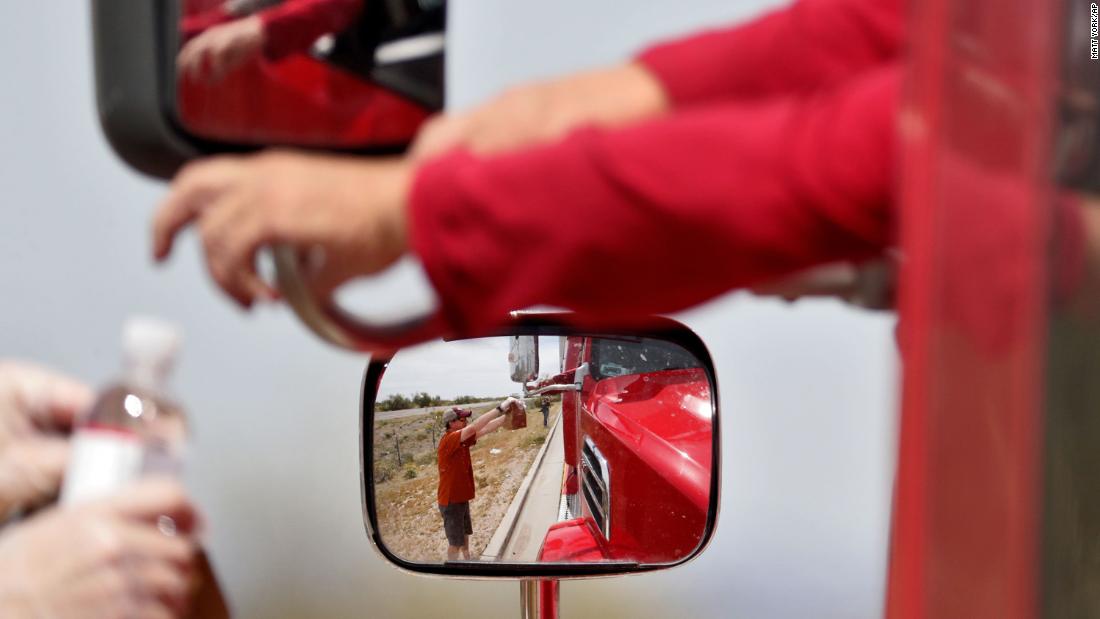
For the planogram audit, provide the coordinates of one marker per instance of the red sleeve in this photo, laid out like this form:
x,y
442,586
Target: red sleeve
x,y
470,442
294,25
661,216
809,45
194,24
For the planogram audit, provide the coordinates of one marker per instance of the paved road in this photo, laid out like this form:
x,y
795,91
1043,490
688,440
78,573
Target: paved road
x,y
540,510
413,412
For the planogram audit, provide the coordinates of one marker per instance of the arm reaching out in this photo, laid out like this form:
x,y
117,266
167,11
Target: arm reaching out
x,y
478,426
802,48
796,50
705,201
708,200
492,426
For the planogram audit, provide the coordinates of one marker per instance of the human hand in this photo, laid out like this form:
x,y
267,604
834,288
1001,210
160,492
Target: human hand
x,y
345,214
37,408
511,405
546,111
101,559
221,49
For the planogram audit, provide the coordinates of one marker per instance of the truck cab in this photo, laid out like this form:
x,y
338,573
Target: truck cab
x,y
636,423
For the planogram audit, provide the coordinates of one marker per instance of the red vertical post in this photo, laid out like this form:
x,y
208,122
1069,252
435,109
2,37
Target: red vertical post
x,y
548,599
975,199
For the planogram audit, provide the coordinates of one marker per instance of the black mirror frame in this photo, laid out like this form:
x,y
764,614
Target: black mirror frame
x,y
549,324
133,44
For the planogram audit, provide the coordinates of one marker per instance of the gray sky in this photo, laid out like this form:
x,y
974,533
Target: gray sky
x,y
466,367
807,392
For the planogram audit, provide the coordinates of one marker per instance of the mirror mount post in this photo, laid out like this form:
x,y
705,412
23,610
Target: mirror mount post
x,y
530,390
538,599
582,372
572,380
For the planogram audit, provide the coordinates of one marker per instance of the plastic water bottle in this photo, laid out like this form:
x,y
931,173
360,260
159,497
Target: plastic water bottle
x,y
134,427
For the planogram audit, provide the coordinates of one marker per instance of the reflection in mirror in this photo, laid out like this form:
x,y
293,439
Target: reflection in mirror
x,y
605,457
523,358
327,73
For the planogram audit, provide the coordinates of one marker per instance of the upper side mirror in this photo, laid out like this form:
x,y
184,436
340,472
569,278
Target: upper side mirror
x,y
608,466
523,358
180,78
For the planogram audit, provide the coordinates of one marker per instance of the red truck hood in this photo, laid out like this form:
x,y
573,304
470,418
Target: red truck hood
x,y
666,417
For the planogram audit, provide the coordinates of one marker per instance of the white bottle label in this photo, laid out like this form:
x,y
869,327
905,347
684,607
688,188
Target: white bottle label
x,y
101,462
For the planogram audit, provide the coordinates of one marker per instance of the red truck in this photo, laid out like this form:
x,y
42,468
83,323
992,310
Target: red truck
x,y
637,427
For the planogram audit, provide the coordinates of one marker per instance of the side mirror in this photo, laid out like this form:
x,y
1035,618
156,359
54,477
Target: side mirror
x,y
523,358
176,79
619,475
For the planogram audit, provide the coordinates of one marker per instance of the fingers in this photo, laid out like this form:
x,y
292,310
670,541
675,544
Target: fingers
x,y
156,611
38,465
210,56
57,401
149,544
151,498
353,209
155,589
188,59
47,399
194,188
200,59
218,60
216,192
231,239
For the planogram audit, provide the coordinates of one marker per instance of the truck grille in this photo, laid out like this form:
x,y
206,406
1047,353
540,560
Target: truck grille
x,y
568,508
596,486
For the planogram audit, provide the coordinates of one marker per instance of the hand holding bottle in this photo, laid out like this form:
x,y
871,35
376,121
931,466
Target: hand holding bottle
x,y
103,558
509,405
516,412
37,407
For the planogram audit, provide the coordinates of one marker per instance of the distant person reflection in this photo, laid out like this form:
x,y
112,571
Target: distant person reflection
x,y
456,473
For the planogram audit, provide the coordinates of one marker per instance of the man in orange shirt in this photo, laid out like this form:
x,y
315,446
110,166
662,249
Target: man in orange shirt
x,y
456,473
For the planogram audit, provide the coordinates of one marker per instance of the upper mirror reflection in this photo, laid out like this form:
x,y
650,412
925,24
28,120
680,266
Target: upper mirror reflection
x,y
331,73
601,454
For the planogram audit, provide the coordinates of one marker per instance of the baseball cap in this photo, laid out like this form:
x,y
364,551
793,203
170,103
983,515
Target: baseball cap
x,y
455,413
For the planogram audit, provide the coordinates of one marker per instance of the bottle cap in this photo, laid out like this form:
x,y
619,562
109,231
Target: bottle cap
x,y
151,343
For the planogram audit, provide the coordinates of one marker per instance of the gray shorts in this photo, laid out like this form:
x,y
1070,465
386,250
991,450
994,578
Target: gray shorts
x,y
456,522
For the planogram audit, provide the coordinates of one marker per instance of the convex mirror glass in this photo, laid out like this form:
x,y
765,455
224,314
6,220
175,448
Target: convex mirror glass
x,y
605,459
325,73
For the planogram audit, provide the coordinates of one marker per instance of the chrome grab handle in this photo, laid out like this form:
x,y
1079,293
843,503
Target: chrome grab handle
x,y
337,326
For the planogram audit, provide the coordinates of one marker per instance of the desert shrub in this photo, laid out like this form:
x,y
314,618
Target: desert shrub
x,y
410,473
383,473
426,458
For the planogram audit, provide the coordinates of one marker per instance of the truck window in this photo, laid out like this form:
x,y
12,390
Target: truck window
x,y
619,357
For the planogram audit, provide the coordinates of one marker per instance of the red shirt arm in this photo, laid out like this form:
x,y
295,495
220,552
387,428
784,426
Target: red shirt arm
x,y
809,45
194,24
661,216
294,25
